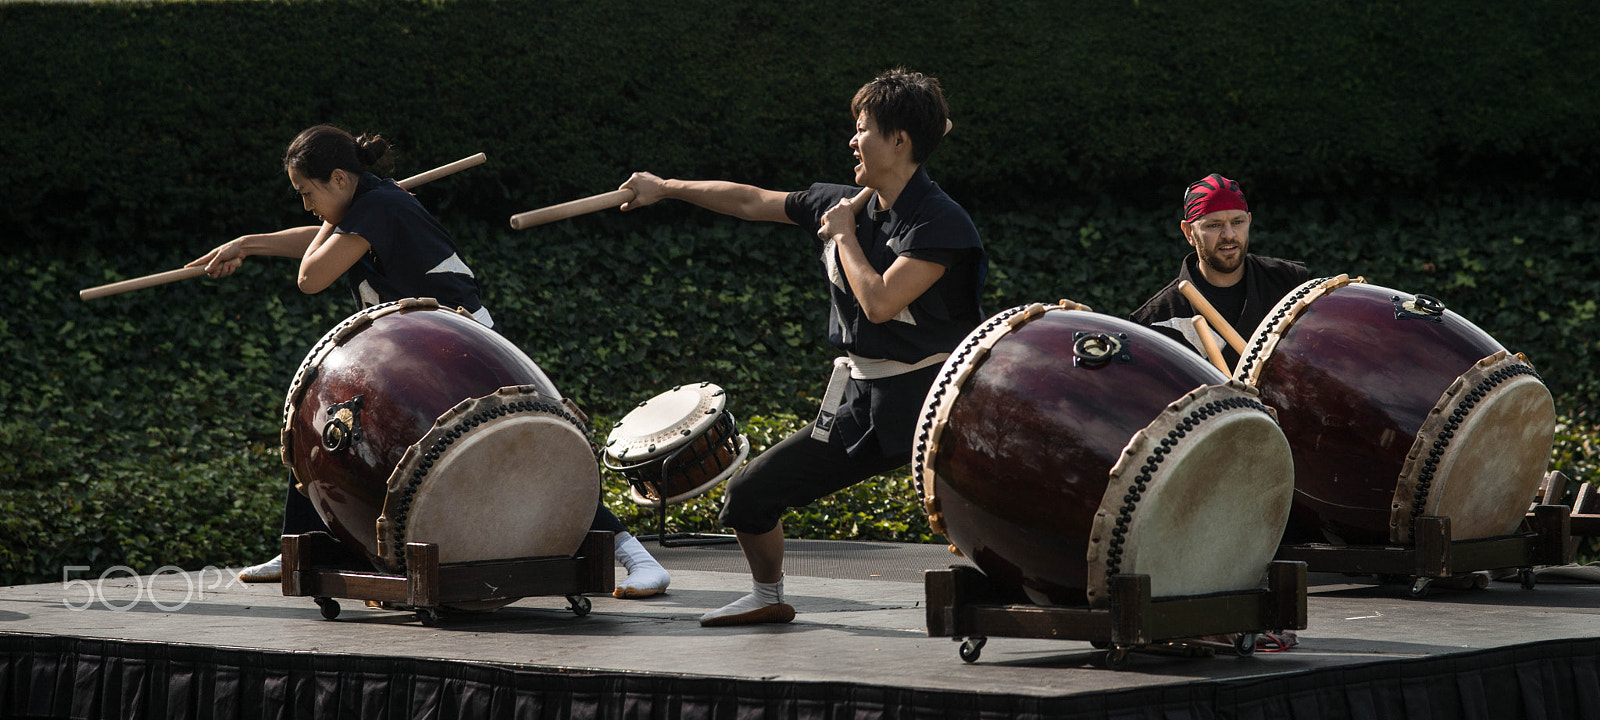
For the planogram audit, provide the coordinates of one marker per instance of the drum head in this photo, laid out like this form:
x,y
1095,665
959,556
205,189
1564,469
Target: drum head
x,y
1198,500
1481,454
503,477
665,423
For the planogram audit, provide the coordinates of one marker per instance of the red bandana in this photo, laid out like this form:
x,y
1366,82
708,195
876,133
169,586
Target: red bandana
x,y
1213,194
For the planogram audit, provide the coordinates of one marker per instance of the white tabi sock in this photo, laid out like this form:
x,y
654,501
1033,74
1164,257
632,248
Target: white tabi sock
x,y
764,604
646,577
269,571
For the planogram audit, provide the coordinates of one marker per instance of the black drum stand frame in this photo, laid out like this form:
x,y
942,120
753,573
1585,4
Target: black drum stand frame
x,y
964,604
429,588
1435,556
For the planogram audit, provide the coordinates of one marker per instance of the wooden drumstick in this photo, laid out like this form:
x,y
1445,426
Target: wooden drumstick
x,y
140,283
443,170
572,208
606,201
1204,306
169,276
1212,352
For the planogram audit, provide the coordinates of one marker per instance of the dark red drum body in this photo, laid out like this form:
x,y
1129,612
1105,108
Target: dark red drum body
x,y
1396,408
1061,446
409,422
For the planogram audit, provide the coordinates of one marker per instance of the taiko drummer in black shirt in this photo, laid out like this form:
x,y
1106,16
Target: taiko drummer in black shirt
x,y
380,236
1241,286
904,269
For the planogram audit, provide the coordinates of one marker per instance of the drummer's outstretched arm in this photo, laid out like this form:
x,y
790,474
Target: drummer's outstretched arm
x,y
224,259
746,202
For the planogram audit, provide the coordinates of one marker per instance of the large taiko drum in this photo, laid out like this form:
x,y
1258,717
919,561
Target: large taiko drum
x,y
1396,408
409,422
1060,446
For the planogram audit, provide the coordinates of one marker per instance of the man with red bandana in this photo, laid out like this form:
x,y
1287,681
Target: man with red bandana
x,y
1242,287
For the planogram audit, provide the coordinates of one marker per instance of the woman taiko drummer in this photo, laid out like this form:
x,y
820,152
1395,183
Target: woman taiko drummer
x,y
377,234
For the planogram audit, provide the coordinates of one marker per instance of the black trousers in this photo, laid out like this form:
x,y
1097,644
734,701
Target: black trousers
x,y
796,472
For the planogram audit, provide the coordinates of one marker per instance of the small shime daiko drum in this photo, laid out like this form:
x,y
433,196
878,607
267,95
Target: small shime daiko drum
x,y
408,422
1397,408
676,445
1060,446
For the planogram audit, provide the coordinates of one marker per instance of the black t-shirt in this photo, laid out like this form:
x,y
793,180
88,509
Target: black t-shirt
x,y
411,254
924,224
1266,280
1228,301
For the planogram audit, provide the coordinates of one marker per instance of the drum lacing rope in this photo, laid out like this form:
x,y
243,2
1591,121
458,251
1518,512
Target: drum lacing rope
x,y
439,446
1283,309
1152,463
725,424
1441,442
952,368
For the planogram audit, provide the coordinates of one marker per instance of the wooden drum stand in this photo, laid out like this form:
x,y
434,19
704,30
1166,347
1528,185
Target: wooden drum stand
x,y
430,588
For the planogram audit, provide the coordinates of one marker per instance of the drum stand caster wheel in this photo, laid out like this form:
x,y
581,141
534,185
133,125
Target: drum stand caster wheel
x,y
1116,657
1529,580
429,616
579,604
1245,644
329,607
972,648
1419,588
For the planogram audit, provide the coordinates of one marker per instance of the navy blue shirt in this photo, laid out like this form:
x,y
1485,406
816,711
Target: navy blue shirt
x,y
924,224
411,255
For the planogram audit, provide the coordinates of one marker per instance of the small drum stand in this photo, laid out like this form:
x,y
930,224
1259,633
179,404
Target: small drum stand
x,y
640,493
964,604
431,588
684,539
1437,557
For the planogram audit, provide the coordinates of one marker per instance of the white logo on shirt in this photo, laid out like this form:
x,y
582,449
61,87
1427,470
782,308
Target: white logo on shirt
x,y
452,264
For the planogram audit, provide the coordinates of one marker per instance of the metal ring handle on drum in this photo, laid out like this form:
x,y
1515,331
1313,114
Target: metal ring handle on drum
x,y
1420,307
1094,349
344,424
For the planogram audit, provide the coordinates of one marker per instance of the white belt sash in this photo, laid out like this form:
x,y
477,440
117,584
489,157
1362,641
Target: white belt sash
x,y
860,368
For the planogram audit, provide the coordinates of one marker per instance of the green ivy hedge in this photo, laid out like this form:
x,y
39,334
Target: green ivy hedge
x,y
142,429
138,122
1439,148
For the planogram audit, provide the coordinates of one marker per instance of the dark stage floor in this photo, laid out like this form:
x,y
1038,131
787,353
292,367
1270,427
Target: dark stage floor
x,y
860,639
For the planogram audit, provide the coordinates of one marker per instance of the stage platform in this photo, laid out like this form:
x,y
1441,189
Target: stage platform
x,y
858,649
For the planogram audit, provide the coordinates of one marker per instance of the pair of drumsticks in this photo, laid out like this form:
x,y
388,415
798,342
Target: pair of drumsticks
x,y
522,220
1209,313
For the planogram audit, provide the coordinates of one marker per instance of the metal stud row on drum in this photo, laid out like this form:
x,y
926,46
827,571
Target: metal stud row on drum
x,y
448,438
1153,462
1441,443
